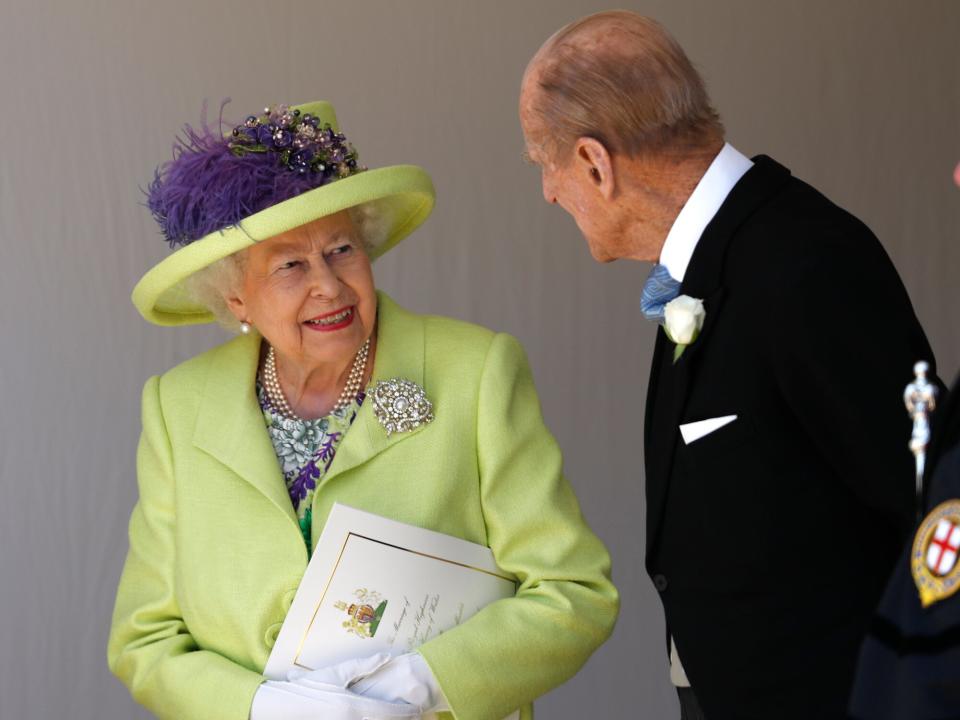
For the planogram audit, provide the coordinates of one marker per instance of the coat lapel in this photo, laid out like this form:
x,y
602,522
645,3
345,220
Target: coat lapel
x,y
399,354
230,425
670,382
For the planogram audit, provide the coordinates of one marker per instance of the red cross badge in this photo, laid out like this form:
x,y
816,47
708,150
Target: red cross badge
x,y
933,560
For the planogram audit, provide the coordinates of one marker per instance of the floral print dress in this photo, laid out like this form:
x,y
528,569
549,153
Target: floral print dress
x,y
305,450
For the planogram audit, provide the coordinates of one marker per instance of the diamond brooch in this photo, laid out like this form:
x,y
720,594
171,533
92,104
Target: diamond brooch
x,y
401,405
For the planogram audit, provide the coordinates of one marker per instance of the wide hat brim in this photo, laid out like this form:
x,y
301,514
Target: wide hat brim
x,y
403,197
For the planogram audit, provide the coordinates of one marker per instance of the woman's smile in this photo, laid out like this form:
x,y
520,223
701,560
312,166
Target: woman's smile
x,y
336,320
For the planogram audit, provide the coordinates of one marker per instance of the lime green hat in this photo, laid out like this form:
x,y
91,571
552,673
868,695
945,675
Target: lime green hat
x,y
275,172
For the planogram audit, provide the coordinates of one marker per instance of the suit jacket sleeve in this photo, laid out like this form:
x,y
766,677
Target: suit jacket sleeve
x,y
846,340
517,649
150,648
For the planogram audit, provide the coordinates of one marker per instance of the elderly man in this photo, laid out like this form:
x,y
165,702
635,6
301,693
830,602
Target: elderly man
x,y
779,486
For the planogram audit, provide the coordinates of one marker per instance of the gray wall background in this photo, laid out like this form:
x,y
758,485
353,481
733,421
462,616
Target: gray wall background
x,y
860,98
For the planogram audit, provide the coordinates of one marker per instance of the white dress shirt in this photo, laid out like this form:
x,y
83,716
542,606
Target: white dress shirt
x,y
724,172
710,193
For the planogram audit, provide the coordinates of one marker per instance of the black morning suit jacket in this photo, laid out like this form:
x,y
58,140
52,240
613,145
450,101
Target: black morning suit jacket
x,y
770,539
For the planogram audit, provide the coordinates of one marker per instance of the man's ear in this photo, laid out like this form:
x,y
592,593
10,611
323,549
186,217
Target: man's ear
x,y
593,158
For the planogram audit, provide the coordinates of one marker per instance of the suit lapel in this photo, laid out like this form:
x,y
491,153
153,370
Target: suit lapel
x,y
670,382
399,354
652,387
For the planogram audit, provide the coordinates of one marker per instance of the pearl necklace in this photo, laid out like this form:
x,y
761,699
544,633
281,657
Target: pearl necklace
x,y
271,383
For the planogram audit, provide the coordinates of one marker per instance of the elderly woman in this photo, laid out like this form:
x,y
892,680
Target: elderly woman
x,y
246,447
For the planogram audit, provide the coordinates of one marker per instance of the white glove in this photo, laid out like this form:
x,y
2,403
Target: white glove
x,y
279,700
405,679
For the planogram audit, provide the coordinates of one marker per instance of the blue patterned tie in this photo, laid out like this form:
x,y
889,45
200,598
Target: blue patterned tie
x,y
659,289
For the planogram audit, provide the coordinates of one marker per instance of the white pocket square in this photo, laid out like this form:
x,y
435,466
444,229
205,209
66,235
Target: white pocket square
x,y
692,432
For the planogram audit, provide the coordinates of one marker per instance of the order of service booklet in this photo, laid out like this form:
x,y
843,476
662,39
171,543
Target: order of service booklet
x,y
377,585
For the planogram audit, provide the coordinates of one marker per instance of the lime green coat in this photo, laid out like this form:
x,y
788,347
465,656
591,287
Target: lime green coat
x,y
216,554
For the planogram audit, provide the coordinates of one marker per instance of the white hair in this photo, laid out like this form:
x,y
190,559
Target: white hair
x,y
212,285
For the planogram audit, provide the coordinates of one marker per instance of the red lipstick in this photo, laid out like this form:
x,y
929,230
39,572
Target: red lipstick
x,y
331,321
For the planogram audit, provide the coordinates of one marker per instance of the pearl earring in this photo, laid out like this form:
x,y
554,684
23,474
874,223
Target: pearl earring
x,y
245,328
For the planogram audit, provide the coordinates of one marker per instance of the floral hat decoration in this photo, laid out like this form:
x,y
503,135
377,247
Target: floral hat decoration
x,y
223,192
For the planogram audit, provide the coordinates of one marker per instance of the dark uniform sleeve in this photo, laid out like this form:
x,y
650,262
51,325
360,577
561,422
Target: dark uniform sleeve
x,y
910,661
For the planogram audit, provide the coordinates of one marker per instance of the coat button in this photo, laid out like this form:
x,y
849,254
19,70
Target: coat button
x,y
288,599
270,636
660,582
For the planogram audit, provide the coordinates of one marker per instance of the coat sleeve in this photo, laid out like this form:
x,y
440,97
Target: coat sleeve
x,y
150,647
517,649
846,340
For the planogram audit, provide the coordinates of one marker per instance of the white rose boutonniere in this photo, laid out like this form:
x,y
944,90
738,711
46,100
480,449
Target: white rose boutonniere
x,y
683,319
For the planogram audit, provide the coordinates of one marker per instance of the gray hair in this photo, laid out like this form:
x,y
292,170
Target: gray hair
x,y
638,94
212,285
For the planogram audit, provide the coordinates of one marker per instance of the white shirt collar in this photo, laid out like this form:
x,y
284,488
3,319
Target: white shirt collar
x,y
724,172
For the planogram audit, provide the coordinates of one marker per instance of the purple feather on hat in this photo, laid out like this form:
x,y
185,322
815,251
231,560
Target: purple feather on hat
x,y
209,186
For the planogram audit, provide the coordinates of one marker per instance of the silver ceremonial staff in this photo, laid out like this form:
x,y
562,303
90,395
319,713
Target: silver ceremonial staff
x,y
920,397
